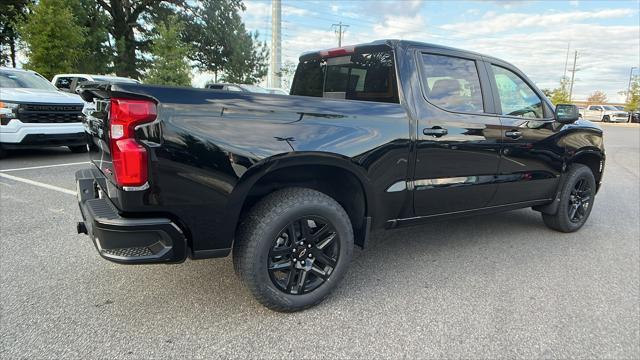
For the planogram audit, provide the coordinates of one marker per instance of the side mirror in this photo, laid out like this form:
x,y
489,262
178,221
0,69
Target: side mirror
x,y
566,113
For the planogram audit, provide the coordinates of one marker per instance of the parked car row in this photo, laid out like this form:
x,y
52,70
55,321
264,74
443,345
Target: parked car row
x,y
605,113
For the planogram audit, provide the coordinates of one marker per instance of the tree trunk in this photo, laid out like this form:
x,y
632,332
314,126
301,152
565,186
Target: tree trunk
x,y
12,51
122,31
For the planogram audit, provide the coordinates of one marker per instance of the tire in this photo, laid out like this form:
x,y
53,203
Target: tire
x,y
264,233
605,118
3,153
566,219
79,149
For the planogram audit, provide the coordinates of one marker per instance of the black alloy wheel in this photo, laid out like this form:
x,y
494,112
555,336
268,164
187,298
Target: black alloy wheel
x,y
580,200
304,255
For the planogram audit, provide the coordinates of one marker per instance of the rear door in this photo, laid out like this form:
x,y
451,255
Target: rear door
x,y
458,136
529,164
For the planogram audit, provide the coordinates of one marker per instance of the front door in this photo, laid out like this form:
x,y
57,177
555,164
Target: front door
x,y
530,163
458,138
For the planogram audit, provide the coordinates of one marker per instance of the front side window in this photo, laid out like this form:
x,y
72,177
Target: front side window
x,y
64,83
367,76
516,97
452,83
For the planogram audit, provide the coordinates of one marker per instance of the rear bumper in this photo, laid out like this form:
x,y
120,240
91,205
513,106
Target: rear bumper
x,y
126,240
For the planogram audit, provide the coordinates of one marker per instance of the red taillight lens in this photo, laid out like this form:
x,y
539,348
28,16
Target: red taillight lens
x,y
128,156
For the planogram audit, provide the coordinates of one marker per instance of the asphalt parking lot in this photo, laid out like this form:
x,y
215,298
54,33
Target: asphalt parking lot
x,y
498,286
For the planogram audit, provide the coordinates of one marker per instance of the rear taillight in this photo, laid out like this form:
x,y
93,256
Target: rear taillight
x,y
128,156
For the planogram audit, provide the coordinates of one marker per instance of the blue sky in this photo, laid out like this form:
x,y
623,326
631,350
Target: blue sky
x,y
533,35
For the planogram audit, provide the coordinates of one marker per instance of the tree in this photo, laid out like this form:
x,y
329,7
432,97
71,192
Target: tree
x,y
53,37
633,97
212,30
128,17
170,66
222,43
97,52
560,95
248,60
597,97
12,12
287,72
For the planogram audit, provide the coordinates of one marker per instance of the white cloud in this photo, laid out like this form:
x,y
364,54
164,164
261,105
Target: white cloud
x,y
492,23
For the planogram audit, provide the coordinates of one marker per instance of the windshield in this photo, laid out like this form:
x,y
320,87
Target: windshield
x,y
256,89
609,107
23,79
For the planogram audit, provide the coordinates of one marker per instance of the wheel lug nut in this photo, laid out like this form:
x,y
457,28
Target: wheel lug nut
x,y
302,262
309,246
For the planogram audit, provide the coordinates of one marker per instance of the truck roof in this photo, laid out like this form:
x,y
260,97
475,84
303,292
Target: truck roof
x,y
393,43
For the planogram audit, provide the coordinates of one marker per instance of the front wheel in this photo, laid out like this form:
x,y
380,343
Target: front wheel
x,y
605,118
293,248
576,200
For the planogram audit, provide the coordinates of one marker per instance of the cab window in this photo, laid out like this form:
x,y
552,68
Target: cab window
x,y
452,83
64,83
516,97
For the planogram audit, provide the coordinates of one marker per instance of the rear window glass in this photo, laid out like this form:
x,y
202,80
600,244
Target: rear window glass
x,y
452,83
368,76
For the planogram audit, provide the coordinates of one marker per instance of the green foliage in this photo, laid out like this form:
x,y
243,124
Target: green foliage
x,y
53,37
12,12
597,97
633,98
560,95
287,72
170,66
248,61
97,53
222,43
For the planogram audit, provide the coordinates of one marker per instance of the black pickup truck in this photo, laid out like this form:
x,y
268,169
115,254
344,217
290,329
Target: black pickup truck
x,y
373,136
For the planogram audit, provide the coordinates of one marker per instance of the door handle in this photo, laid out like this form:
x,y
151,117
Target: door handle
x,y
435,131
514,134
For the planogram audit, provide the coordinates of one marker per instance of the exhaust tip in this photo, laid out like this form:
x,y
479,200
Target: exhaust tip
x,y
81,228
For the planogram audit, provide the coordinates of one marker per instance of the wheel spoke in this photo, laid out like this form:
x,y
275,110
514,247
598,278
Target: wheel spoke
x,y
281,251
291,230
281,265
304,229
572,211
319,272
326,241
291,279
323,258
299,286
320,233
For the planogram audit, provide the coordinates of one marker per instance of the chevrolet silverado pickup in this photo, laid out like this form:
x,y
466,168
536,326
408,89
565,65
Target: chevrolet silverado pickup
x,y
33,113
374,136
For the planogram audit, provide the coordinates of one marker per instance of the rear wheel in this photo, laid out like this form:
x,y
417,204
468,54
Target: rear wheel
x,y
293,248
576,200
78,149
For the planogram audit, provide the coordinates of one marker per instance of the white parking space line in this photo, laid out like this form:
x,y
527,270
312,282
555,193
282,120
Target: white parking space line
x,y
44,166
37,183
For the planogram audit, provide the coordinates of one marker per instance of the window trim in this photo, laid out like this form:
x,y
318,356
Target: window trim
x,y
485,93
547,109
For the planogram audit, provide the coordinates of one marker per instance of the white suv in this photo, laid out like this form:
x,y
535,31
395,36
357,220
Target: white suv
x,y
34,113
604,113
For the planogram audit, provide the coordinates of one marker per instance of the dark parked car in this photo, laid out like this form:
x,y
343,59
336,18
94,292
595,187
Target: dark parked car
x,y
238,88
374,136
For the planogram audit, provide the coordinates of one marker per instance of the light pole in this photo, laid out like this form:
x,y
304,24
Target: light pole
x,y
629,86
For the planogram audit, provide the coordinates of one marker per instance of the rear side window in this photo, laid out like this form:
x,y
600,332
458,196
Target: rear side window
x,y
516,97
64,83
368,76
452,83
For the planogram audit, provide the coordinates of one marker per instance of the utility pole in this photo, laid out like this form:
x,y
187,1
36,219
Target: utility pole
x,y
276,46
573,74
338,29
566,62
629,86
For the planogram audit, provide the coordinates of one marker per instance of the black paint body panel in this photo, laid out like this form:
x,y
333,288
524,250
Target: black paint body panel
x,y
208,148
